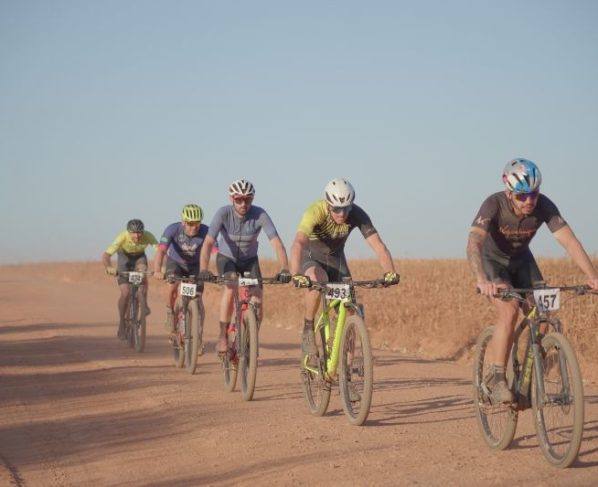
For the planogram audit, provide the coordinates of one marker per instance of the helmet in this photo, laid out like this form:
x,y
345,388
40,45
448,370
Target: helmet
x,y
241,187
339,192
135,226
521,176
192,213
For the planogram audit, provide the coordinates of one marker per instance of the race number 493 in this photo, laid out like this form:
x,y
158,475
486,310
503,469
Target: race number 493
x,y
135,277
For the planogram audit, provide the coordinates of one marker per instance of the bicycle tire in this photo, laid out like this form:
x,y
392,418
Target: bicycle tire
x,y
177,344
139,326
316,389
497,423
248,354
356,370
230,364
191,345
559,416
132,319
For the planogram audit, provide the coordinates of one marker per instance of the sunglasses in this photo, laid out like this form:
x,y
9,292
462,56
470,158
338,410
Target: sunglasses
x,y
524,196
192,224
341,209
243,199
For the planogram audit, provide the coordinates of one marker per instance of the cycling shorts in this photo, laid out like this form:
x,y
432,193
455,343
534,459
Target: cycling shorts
x,y
129,262
335,266
174,268
520,272
252,266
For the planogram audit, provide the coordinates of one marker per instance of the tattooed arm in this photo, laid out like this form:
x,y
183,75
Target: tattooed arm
x,y
474,257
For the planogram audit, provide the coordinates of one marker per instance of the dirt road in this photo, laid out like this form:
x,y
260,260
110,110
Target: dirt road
x,y
80,408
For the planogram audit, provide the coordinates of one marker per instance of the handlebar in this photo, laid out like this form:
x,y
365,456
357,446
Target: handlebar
x,y
369,284
235,279
126,273
518,293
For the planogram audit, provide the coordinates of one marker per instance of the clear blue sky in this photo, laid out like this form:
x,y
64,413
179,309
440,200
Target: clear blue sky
x,y
111,110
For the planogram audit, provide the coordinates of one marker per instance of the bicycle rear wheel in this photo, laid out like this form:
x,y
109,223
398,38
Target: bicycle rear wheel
x,y
230,362
177,338
497,422
559,414
192,343
315,387
248,354
356,370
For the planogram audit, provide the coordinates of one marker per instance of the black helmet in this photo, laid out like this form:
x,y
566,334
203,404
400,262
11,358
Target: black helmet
x,y
135,226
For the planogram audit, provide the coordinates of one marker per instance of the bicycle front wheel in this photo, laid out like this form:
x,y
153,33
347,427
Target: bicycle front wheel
x,y
559,412
497,422
316,388
356,370
248,354
132,319
139,325
177,338
193,336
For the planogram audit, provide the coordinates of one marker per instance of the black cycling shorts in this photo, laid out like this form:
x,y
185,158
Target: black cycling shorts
x,y
251,266
129,262
520,272
174,268
335,266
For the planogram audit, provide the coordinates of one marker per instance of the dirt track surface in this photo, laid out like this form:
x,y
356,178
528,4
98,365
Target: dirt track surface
x,y
80,408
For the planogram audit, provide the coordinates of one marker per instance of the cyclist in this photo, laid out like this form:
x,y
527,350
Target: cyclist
x,y
318,250
499,255
238,226
129,245
181,243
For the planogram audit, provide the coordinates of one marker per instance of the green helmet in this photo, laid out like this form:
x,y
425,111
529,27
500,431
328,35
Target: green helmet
x,y
192,213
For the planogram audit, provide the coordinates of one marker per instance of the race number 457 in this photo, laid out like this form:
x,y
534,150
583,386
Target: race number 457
x,y
548,299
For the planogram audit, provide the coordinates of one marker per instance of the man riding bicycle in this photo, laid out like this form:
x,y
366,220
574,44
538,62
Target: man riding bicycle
x,y
238,226
181,242
130,247
499,255
318,250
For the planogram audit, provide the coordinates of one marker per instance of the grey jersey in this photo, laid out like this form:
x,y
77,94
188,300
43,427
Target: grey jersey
x,y
510,234
238,236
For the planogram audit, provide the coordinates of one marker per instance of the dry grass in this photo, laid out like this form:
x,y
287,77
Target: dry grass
x,y
435,312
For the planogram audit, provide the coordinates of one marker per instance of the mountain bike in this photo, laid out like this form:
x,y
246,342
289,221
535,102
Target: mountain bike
x,y
136,309
189,314
342,341
241,357
542,372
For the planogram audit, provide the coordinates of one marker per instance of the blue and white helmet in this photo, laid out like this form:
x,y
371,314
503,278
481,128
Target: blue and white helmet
x,y
521,176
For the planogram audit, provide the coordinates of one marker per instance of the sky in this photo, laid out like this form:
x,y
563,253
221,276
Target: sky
x,y
121,109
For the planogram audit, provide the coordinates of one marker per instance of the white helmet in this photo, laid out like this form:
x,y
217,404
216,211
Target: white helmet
x,y
241,187
340,193
521,176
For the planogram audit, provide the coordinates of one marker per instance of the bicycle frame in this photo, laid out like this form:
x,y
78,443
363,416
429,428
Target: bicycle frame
x,y
323,326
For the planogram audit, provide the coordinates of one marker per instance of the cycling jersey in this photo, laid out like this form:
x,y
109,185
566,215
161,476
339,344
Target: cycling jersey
x,y
510,234
180,247
327,237
238,235
124,242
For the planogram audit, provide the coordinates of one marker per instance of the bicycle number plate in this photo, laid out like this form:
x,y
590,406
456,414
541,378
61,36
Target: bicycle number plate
x,y
135,277
188,289
338,291
548,299
248,281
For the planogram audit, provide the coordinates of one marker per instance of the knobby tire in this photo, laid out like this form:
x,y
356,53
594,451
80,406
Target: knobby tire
x,y
559,415
497,422
356,370
248,354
